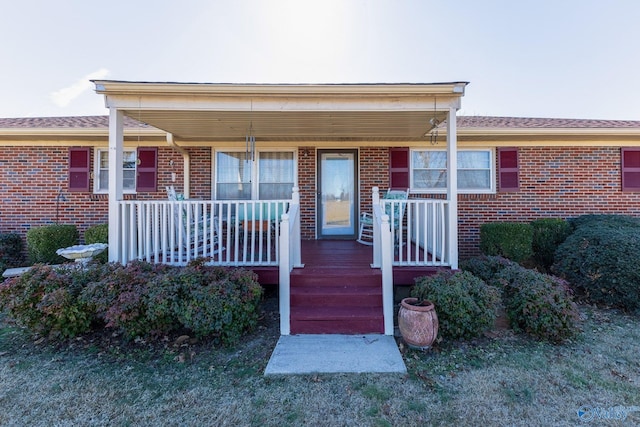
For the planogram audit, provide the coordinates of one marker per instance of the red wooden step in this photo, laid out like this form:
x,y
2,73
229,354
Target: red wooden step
x,y
336,320
336,296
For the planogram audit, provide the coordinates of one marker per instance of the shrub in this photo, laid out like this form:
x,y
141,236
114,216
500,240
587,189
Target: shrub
x,y
606,220
224,303
601,262
465,305
43,242
486,267
548,234
141,299
45,299
98,234
11,247
538,304
511,240
119,299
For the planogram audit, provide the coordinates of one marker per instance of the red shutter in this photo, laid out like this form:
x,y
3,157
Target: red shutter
x,y
508,169
631,169
147,169
79,168
399,168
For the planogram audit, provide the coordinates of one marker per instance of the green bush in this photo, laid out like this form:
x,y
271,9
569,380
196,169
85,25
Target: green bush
x,y
511,240
119,299
465,305
538,304
11,247
600,260
548,234
43,242
98,234
606,220
45,299
486,267
223,304
141,299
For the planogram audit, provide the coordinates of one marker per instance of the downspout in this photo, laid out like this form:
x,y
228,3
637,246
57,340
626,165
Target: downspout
x,y
186,164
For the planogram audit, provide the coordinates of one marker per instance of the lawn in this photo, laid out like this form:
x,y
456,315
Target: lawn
x,y
502,379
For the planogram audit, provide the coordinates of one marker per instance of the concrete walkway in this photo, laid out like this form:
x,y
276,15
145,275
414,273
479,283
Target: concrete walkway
x,y
307,354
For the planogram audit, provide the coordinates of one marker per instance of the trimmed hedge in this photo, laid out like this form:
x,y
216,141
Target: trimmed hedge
x,y
98,234
600,260
511,240
43,242
548,234
466,306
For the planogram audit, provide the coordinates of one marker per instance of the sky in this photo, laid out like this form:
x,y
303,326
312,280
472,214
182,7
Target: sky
x,y
545,58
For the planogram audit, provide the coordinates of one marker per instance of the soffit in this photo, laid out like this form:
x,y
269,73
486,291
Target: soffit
x,y
209,112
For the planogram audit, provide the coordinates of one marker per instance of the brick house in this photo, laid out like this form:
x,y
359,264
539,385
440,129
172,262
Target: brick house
x,y
235,152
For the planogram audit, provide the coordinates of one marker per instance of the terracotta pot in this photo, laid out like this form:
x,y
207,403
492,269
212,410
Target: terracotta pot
x,y
418,323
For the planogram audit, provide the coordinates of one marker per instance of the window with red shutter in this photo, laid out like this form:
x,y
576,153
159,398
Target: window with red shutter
x,y
399,168
79,168
508,169
631,169
147,170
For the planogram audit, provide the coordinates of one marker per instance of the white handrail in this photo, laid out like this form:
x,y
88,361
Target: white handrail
x,y
290,257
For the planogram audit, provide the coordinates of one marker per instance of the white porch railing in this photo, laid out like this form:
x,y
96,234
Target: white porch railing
x,y
419,232
230,233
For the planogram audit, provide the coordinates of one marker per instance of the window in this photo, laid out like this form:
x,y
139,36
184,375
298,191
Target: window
x,y
631,169
475,171
271,177
139,170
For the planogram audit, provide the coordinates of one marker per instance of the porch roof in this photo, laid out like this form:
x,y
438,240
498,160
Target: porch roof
x,y
286,112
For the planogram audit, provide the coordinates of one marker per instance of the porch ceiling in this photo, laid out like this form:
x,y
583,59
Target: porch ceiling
x,y
224,112
284,126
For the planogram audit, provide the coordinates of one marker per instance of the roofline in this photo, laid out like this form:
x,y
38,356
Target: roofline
x,y
77,132
170,88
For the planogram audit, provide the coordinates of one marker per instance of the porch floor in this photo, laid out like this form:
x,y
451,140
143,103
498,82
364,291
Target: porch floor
x,y
347,256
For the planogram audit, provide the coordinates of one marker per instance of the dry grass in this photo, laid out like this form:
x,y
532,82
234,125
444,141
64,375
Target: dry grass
x,y
504,380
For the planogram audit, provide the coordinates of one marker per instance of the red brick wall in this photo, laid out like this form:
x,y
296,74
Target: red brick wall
x,y
554,182
307,185
30,178
374,172
559,182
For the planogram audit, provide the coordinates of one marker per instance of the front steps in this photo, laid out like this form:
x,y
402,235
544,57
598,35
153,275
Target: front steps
x,y
330,300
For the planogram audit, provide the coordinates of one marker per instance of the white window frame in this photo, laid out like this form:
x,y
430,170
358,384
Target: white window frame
x,y
255,172
97,169
492,173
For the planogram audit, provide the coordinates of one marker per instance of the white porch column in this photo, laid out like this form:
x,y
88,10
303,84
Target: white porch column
x,y
452,187
116,142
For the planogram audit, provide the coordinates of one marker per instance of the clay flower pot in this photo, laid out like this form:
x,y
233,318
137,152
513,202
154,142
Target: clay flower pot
x,y
418,322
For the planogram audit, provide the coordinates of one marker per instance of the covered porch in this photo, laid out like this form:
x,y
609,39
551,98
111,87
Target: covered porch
x,y
268,235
